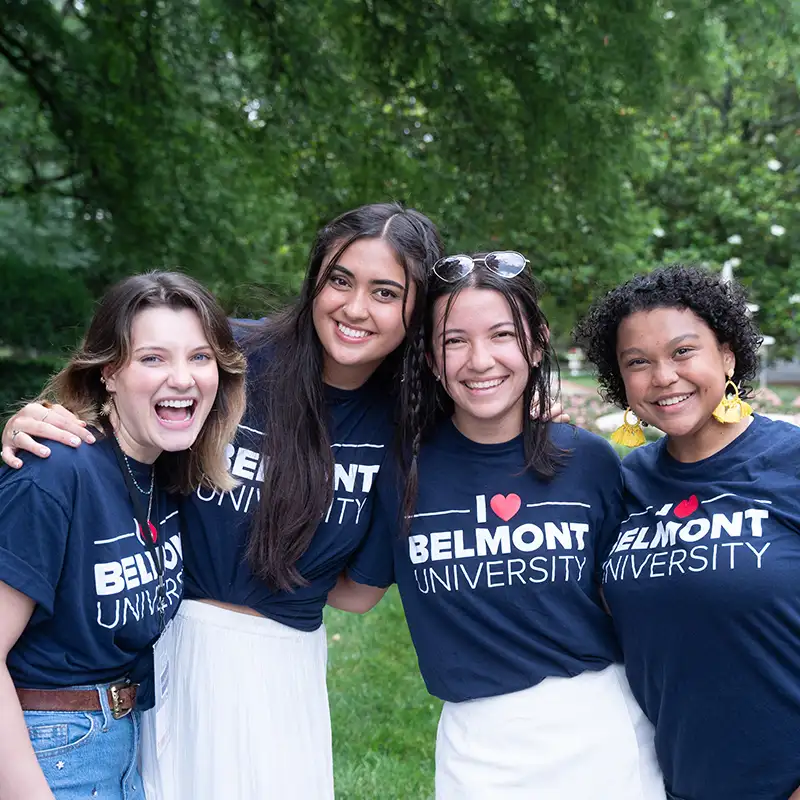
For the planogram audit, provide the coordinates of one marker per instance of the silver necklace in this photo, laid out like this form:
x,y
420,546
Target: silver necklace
x,y
133,477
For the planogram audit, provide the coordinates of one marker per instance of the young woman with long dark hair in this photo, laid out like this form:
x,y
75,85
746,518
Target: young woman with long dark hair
x,y
250,708
492,530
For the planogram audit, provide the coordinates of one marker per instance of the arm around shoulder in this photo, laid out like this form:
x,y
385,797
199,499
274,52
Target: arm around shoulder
x,y
52,422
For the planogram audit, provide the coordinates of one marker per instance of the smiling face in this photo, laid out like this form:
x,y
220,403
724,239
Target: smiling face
x,y
358,313
674,370
478,356
164,394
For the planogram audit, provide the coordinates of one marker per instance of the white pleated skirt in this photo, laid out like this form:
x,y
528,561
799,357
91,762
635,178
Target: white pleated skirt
x,y
249,712
563,739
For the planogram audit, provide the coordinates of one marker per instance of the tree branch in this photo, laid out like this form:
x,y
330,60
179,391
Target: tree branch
x,y
27,66
38,183
777,124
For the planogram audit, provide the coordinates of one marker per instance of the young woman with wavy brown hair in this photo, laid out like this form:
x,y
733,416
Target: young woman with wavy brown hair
x,y
250,705
90,541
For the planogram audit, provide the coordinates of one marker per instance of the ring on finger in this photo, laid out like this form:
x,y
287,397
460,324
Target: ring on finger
x,y
45,415
14,434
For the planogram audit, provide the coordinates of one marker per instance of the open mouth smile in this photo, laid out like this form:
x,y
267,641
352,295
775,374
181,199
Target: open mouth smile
x,y
176,413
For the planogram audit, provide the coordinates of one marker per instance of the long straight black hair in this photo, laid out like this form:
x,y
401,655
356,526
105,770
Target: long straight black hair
x,y
288,394
432,402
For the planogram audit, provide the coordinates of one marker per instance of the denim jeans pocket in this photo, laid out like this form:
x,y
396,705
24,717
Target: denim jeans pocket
x,y
55,733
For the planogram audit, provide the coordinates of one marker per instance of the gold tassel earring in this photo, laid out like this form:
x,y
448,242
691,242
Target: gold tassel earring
x,y
629,435
731,408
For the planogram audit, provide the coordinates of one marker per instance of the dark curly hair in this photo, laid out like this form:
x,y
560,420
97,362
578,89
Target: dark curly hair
x,y
721,305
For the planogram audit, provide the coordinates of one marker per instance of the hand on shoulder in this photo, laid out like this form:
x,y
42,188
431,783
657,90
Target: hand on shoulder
x,y
41,421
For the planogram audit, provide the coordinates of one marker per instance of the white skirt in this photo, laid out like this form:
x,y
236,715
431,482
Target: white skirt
x,y
249,712
563,739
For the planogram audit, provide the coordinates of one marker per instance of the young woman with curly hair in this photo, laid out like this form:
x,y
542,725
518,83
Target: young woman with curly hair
x,y
702,578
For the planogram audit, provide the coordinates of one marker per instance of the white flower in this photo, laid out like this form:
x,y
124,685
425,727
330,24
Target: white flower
x,y
669,14
770,138
735,239
777,230
659,232
733,263
427,138
774,164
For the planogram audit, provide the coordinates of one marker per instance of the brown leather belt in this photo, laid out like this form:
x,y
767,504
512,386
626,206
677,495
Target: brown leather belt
x,y
121,699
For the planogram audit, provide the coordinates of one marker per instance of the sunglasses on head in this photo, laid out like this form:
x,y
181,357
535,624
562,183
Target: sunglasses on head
x,y
505,263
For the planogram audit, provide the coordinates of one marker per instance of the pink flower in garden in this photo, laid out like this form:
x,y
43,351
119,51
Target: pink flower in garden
x,y
768,397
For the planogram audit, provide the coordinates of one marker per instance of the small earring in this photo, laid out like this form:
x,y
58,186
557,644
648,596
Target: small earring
x,y
731,408
629,435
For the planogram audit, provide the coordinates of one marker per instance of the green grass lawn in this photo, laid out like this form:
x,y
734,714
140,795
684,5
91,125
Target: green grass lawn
x,y
384,721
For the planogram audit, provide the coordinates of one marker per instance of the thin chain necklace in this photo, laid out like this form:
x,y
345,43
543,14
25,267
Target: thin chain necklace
x,y
133,477
150,502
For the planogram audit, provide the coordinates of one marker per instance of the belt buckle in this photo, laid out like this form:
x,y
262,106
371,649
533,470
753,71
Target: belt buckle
x,y
117,711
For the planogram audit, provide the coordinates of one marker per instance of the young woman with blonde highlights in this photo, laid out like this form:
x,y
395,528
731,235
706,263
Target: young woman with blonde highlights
x,y
90,543
250,706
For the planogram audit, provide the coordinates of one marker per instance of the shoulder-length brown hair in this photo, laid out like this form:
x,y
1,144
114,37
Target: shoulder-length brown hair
x,y
79,388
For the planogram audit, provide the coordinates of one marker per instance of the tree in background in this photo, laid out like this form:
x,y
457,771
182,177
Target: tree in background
x,y
725,163
216,135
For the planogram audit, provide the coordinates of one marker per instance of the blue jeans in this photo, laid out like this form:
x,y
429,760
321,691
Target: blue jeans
x,y
88,754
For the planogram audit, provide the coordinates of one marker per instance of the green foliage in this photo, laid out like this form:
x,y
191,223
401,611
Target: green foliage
x,y
42,307
726,162
21,380
217,135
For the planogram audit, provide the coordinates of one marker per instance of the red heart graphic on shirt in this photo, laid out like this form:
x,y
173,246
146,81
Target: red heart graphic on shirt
x,y
687,507
505,507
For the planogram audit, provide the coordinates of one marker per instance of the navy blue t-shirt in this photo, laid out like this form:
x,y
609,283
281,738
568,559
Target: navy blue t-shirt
x,y
498,576
69,541
704,587
218,525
